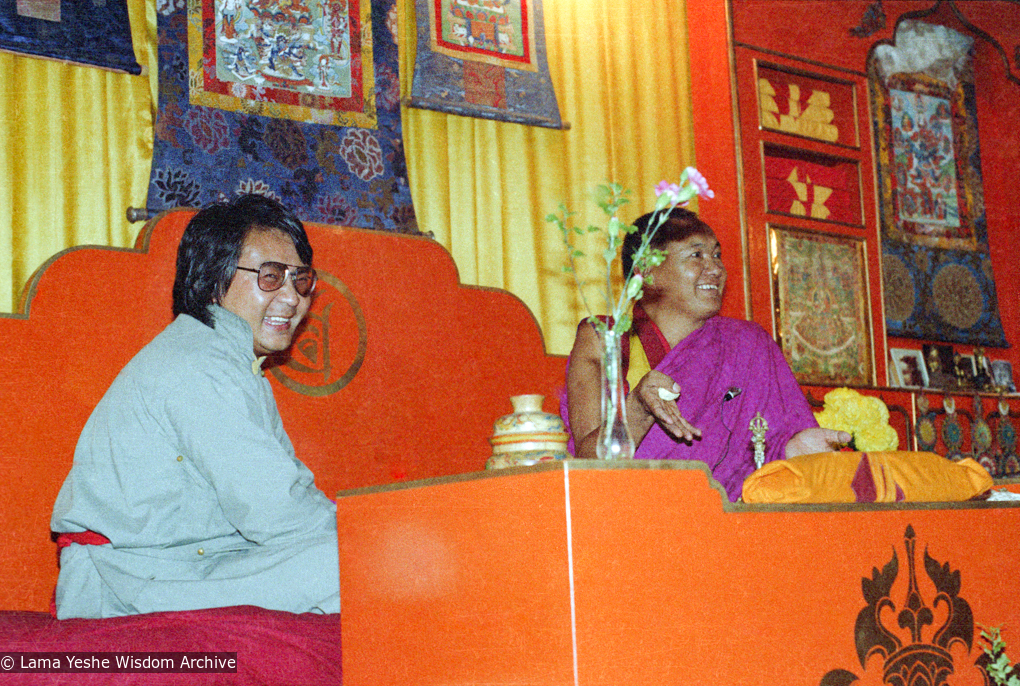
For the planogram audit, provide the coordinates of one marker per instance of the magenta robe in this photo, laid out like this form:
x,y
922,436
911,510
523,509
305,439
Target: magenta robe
x,y
729,354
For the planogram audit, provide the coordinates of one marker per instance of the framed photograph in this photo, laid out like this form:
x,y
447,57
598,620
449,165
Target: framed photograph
x,y
908,368
822,316
966,370
1002,375
939,358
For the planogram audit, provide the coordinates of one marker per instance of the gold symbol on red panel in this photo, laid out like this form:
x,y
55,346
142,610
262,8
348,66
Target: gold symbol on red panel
x,y
811,118
804,189
331,343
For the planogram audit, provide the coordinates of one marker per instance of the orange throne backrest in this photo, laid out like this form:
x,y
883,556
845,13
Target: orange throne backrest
x,y
398,372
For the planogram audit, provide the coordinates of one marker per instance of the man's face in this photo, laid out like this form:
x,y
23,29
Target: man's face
x,y
273,315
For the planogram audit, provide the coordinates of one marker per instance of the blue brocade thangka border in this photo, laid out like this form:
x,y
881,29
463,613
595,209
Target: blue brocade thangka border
x,y
92,33
342,175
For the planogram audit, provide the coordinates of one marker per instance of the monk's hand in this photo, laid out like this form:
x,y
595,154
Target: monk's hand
x,y
656,394
816,440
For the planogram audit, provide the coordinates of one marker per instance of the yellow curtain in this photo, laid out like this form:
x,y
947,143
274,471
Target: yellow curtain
x,y
75,152
484,188
76,148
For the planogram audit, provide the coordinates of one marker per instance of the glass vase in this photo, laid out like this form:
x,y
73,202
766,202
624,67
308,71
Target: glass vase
x,y
615,442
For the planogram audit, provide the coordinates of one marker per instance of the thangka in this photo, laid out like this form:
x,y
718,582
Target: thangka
x,y
297,101
93,33
484,58
937,273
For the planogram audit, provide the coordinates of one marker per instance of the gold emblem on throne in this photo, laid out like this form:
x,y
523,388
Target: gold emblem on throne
x,y
330,345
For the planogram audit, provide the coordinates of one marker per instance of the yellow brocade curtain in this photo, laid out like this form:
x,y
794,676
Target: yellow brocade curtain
x,y
75,152
484,188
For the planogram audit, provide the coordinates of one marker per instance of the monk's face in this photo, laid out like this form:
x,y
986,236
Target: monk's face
x,y
692,278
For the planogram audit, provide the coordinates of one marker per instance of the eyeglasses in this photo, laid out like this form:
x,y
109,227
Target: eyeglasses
x,y
272,276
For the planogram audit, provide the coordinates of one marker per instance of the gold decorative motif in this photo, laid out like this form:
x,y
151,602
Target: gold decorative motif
x,y
958,296
813,121
819,194
899,288
331,344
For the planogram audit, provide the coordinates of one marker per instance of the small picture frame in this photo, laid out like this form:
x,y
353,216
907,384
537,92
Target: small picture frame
x,y
938,359
908,368
966,371
1002,375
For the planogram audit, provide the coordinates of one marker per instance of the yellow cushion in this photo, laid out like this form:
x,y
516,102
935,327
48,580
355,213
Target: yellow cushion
x,y
883,477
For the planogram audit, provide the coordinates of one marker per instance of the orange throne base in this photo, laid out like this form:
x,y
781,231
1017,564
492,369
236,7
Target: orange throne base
x,y
581,573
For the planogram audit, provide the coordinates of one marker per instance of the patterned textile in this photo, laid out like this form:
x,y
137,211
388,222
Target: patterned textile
x,y
300,102
484,58
92,33
937,274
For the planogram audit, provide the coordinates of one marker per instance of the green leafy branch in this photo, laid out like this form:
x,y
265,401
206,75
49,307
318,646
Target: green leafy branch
x,y
999,667
610,198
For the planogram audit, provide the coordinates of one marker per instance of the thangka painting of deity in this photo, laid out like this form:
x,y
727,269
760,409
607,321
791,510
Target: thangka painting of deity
x,y
924,163
303,60
492,31
484,58
936,271
823,320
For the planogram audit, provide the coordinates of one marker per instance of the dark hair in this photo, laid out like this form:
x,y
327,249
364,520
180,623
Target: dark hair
x,y
681,225
211,246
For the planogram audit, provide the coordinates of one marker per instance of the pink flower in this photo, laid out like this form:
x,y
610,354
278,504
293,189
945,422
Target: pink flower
x,y
667,187
698,181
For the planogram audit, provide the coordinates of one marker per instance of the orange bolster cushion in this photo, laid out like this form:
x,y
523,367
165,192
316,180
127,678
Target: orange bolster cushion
x,y
877,477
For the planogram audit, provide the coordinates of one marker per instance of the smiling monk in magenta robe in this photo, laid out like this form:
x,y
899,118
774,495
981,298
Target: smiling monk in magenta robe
x,y
725,370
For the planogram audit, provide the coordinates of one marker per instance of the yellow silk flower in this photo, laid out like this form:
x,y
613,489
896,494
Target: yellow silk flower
x,y
866,417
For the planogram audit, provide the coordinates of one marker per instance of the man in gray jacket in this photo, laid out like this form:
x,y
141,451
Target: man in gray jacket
x,y
185,492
